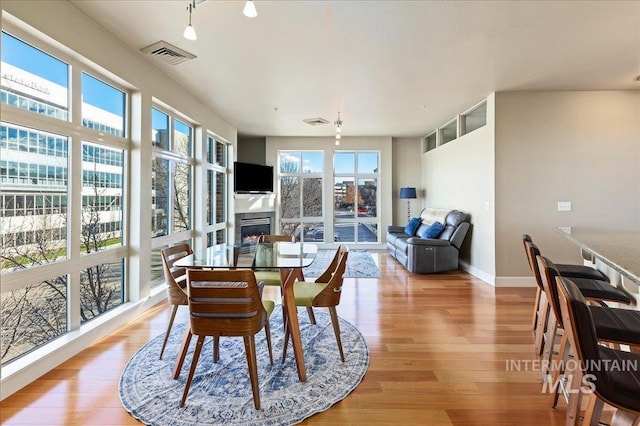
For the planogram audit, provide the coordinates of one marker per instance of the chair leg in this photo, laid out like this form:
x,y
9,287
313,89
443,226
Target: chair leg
x,y
194,362
543,321
216,349
336,329
166,335
575,397
594,411
536,307
312,317
284,316
184,348
250,350
285,342
267,332
549,344
563,357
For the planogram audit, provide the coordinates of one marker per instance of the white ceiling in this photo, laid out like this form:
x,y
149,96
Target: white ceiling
x,y
392,68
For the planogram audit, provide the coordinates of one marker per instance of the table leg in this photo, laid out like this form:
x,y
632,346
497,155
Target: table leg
x,y
292,323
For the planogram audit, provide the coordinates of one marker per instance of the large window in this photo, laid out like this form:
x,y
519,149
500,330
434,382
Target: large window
x,y
103,106
301,212
47,221
34,197
102,190
172,174
34,80
355,189
216,196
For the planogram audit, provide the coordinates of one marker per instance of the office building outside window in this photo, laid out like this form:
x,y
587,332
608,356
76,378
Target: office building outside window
x,y
40,208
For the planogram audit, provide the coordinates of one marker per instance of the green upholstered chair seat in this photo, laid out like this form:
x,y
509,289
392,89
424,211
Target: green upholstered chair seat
x,y
268,277
269,306
305,292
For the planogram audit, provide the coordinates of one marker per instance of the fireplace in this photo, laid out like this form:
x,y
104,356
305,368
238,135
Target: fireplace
x,y
249,226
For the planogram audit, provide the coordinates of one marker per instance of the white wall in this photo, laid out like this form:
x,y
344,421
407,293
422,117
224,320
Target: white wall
x,y
582,147
381,144
407,166
460,175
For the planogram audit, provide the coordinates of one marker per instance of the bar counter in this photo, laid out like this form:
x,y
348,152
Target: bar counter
x,y
618,249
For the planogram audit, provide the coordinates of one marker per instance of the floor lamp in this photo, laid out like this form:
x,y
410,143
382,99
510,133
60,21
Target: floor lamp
x,y
408,194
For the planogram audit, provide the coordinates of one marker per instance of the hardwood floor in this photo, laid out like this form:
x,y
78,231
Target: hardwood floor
x,y
439,348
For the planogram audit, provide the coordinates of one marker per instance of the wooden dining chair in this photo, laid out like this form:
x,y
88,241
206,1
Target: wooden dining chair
x,y
601,367
225,303
325,292
176,279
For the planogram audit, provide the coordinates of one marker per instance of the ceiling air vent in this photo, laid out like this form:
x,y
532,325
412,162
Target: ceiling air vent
x,y
167,53
315,121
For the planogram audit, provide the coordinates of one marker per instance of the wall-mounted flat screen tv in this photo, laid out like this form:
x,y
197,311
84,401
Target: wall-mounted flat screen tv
x,y
252,178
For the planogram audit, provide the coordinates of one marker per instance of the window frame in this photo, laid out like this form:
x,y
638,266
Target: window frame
x,y
358,176
175,159
216,231
72,266
301,219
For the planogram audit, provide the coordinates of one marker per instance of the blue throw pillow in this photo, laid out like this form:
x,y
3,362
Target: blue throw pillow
x,y
433,231
411,227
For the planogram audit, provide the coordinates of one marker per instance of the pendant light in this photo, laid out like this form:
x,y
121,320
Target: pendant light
x,y
189,31
250,9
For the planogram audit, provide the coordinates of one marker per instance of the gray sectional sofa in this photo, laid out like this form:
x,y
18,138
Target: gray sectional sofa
x,y
429,255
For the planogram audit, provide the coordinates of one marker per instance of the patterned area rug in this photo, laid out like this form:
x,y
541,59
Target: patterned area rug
x,y
360,264
221,393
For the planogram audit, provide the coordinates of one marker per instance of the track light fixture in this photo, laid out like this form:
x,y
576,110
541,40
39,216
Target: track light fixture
x,y
250,9
338,125
189,31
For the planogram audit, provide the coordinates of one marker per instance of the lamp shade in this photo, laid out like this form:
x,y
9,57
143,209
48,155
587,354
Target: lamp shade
x,y
407,193
190,33
250,10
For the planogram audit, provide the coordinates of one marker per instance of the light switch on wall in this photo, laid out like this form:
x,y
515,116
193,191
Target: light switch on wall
x,y
564,206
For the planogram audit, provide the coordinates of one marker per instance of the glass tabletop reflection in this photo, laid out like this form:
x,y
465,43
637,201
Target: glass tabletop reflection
x,y
264,256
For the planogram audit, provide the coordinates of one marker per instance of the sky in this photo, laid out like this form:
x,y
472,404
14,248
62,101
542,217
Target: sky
x,y
344,162
34,61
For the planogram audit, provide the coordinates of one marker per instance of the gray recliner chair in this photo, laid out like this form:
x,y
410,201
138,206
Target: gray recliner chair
x,y
428,255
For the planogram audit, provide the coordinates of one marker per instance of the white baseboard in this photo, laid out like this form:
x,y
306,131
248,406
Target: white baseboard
x,y
478,273
498,281
515,282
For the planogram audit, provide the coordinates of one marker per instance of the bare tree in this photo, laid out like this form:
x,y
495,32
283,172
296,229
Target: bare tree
x,y
182,197
160,201
98,289
289,190
37,313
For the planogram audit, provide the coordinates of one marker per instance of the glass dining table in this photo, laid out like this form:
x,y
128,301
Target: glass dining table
x,y
287,257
